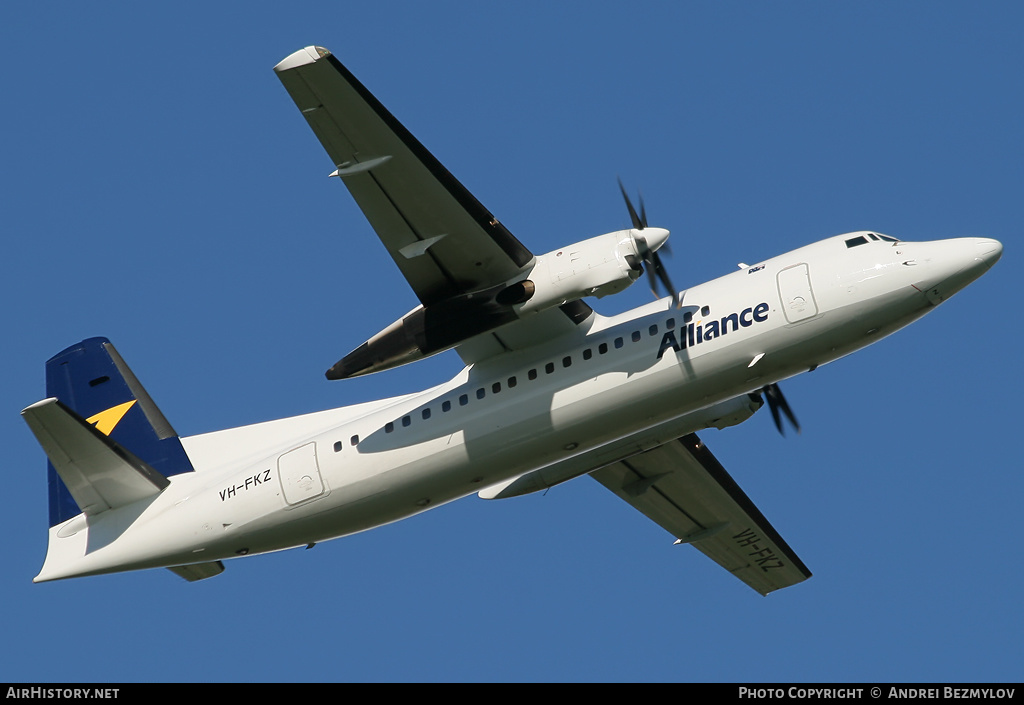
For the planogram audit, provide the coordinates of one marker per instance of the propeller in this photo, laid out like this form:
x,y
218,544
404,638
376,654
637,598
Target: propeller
x,y
656,271
777,403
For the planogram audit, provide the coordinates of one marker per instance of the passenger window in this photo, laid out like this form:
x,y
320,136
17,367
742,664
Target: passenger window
x,y
532,374
337,446
406,420
602,348
587,354
389,427
463,399
670,323
481,393
636,336
354,440
618,343
511,382
426,413
446,406
653,330
496,387
566,361
549,368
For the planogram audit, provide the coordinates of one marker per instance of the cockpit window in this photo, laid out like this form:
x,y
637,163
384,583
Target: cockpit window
x,y
863,239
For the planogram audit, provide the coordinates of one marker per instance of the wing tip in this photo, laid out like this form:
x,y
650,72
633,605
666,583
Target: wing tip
x,y
302,57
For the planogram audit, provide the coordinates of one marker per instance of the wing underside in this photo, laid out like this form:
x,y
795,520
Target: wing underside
x,y
440,236
685,490
454,253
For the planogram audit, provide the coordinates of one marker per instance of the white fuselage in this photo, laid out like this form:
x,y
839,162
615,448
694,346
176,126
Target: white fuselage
x,y
628,383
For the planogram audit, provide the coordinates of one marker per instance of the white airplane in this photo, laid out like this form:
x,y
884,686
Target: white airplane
x,y
551,390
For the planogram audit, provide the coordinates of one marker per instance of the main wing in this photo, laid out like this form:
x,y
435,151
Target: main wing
x,y
452,251
685,490
442,239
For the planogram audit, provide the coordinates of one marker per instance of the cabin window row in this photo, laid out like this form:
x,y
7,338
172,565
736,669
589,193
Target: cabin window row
x,y
496,387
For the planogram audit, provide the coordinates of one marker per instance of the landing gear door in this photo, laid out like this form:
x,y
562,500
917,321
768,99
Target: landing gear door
x,y
796,295
300,474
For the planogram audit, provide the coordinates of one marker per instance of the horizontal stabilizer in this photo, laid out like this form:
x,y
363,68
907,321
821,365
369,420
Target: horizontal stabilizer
x,y
99,473
198,571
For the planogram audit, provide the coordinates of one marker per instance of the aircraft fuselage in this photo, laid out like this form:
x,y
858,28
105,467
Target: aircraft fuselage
x,y
543,415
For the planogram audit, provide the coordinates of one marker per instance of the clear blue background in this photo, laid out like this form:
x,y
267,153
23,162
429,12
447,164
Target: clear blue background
x,y
160,188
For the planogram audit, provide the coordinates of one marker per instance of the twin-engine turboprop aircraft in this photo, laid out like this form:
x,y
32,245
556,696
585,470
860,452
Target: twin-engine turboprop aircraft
x,y
551,390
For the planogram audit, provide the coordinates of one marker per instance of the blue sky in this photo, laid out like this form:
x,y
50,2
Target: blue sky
x,y
161,189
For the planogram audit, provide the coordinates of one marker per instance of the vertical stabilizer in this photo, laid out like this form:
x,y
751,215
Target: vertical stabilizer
x,y
91,379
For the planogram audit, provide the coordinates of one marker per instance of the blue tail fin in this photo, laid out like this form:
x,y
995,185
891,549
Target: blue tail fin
x,y
93,380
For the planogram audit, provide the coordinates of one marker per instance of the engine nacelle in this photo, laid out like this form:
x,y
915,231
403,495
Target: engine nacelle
x,y
600,266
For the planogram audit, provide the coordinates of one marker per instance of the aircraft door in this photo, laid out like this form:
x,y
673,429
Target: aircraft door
x,y
795,293
300,474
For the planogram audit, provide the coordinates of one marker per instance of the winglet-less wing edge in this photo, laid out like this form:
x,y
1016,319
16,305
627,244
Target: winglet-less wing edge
x,y
302,57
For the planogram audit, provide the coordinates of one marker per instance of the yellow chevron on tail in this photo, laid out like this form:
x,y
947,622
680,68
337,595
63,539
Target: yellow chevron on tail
x,y
105,421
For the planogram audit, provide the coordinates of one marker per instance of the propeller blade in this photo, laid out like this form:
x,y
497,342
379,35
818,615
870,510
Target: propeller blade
x,y
638,224
656,273
776,403
662,273
775,416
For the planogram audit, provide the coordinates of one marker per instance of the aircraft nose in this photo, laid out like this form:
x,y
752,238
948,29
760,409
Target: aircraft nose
x,y
957,263
988,250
